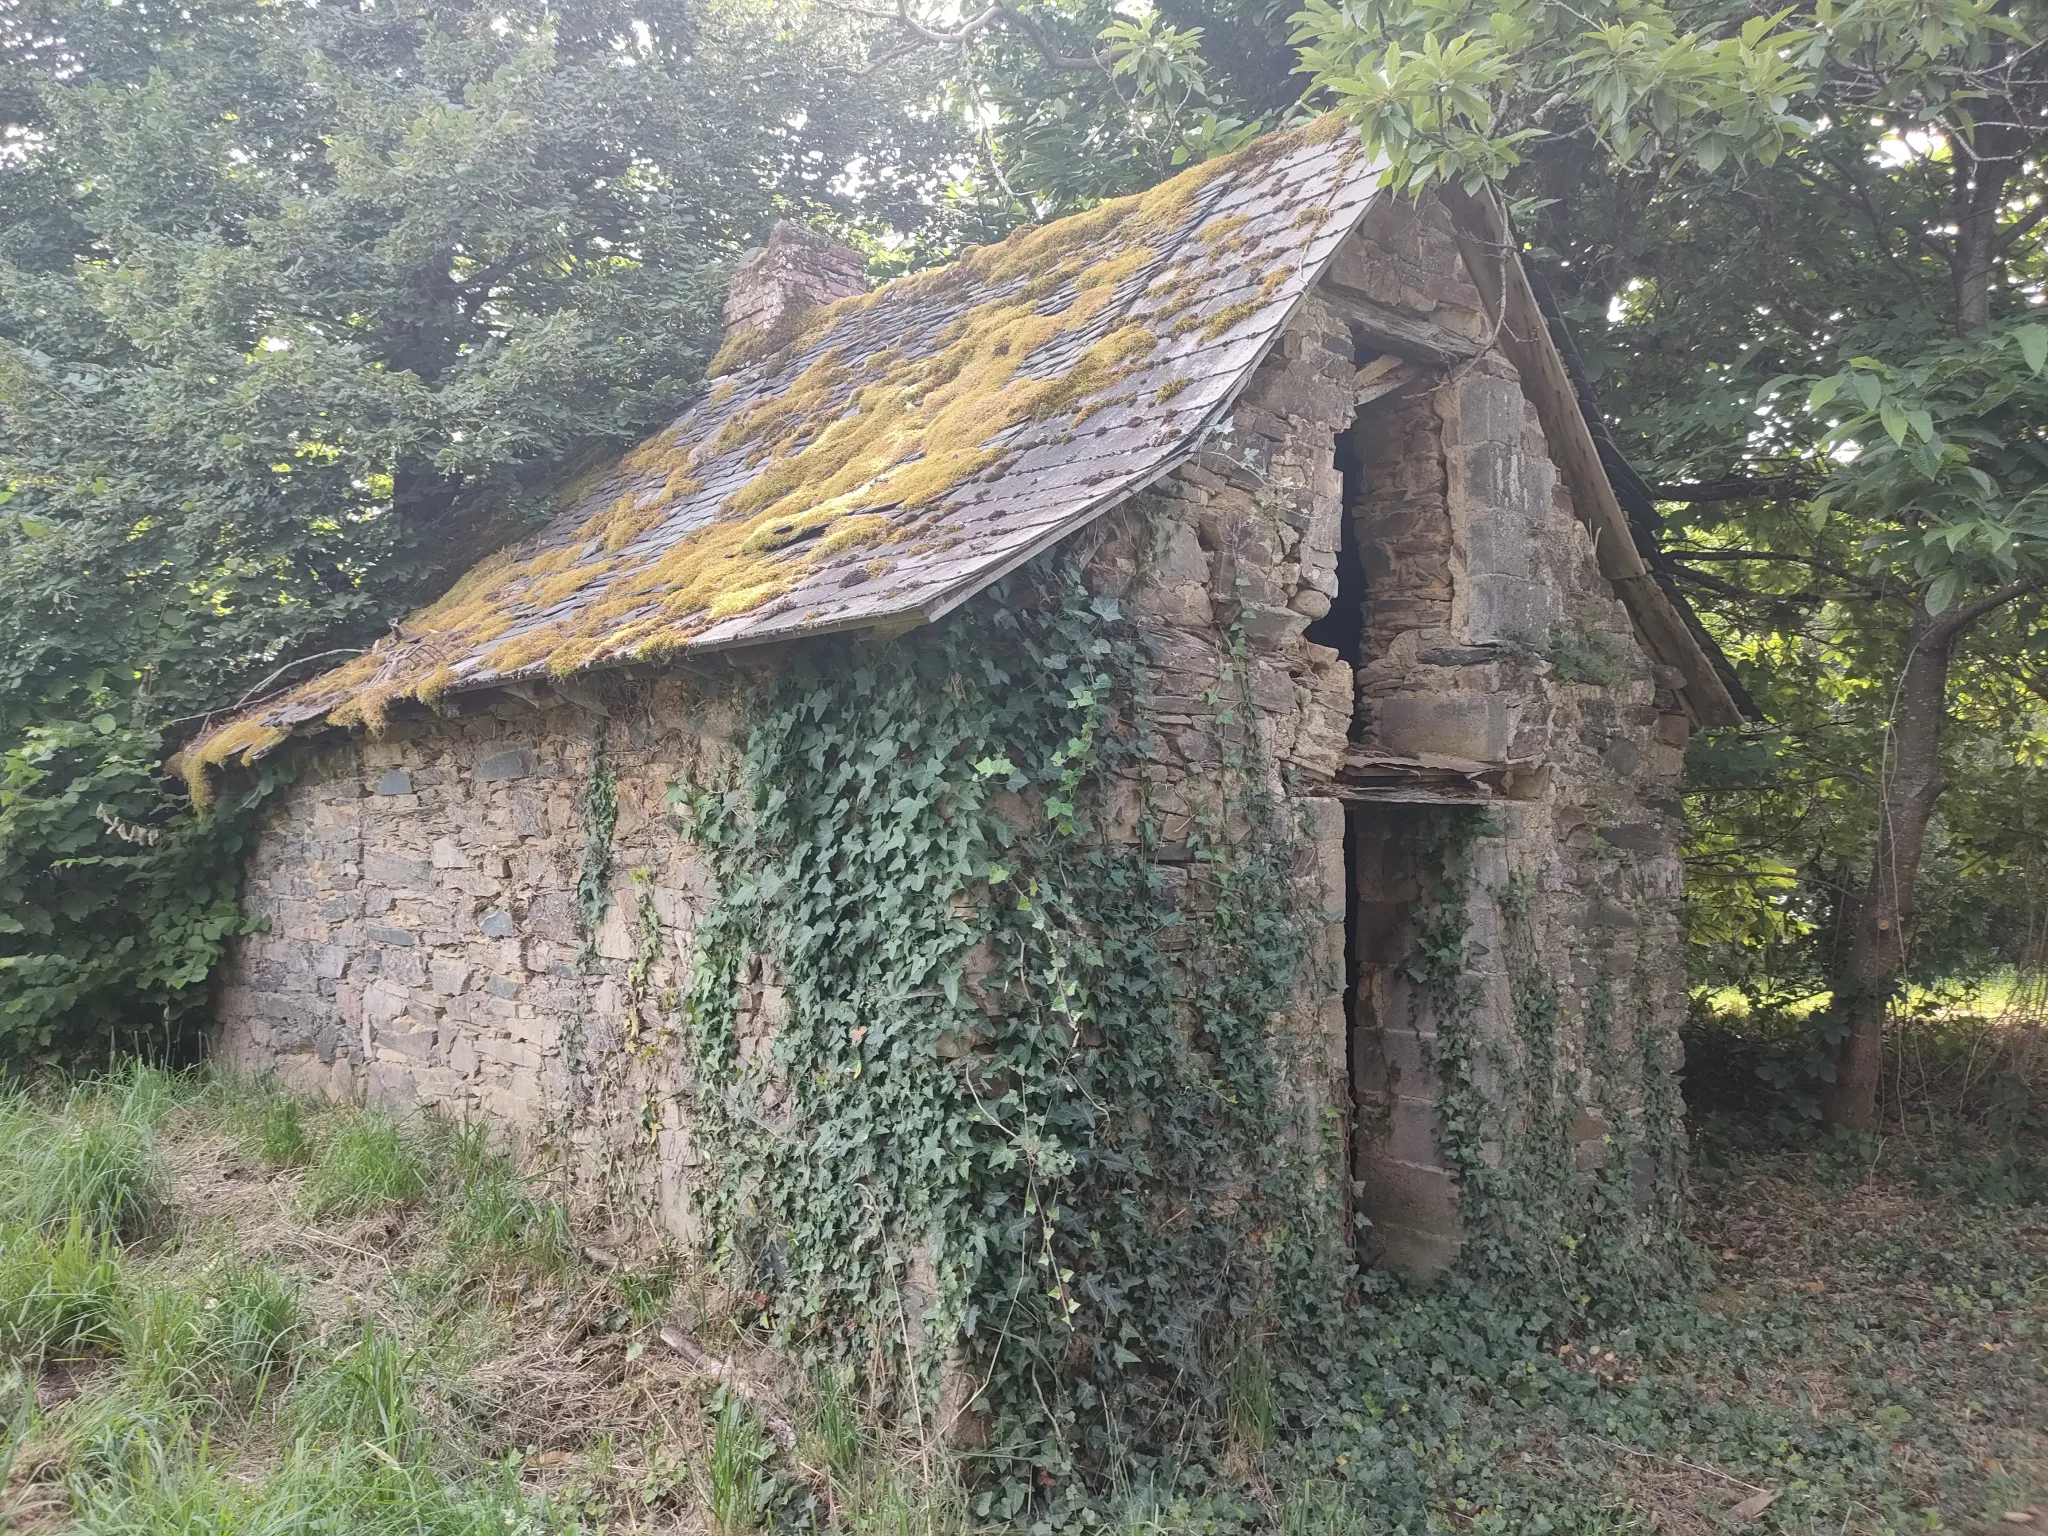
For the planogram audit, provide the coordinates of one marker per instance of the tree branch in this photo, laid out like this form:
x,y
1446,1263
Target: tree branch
x,y
2017,231
973,26
1825,568
1953,621
1736,488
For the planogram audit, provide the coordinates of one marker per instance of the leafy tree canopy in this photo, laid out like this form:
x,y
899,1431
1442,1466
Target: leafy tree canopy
x,y
1804,251
301,306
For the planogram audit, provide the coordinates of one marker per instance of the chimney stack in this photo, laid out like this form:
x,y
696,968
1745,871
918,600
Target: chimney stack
x,y
772,288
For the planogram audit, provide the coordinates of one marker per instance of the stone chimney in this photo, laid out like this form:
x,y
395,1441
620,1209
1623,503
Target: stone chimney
x,y
773,287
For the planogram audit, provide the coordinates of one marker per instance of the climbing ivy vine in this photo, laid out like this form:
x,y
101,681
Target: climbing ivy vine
x,y
970,1066
1580,1242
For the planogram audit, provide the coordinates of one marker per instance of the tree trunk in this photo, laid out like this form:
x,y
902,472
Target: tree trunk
x,y
1868,975
1983,164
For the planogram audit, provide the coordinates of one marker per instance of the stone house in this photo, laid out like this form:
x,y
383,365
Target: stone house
x,y
1288,421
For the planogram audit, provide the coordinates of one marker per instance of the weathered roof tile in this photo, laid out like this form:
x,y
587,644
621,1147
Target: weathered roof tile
x,y
937,432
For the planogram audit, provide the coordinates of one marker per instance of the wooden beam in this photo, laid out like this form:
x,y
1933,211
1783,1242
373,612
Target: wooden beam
x,y
1420,341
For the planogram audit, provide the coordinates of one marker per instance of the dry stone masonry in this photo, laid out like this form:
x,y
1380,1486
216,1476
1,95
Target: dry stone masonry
x,y
1408,576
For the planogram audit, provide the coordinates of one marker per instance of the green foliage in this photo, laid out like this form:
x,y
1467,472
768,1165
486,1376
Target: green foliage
x,y
60,1293
1026,1078
1572,1246
114,904
367,1163
1448,92
220,1339
301,309
1585,655
594,875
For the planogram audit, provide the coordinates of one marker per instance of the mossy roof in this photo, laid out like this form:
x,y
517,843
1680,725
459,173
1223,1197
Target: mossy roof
x,y
892,454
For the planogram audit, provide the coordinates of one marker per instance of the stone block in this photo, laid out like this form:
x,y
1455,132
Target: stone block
x,y
1411,1195
1473,725
394,781
1499,607
383,1003
399,873
450,977
409,1044
497,924
511,1053
1418,1254
388,1088
498,767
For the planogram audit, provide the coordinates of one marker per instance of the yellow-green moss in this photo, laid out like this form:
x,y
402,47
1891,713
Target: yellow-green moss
x,y
857,451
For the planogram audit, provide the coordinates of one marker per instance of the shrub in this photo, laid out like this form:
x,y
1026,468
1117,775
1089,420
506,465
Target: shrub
x,y
368,1164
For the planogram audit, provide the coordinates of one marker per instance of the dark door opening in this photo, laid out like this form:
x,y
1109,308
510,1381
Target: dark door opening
x,y
1342,629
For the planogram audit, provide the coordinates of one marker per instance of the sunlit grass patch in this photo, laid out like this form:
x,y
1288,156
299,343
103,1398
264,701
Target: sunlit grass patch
x,y
90,1162
223,1337
336,1491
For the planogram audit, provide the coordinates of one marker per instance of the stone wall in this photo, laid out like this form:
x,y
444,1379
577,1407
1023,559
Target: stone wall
x,y
426,948
1491,635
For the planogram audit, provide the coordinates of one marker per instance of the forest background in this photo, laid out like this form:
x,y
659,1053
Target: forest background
x,y
304,305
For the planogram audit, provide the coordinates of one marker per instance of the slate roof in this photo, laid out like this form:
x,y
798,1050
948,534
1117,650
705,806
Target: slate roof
x,y
908,448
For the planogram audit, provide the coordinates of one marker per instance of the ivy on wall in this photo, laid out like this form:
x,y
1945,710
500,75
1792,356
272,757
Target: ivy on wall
x,y
968,1067
1571,1199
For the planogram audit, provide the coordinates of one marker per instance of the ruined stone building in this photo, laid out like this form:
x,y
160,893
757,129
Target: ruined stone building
x,y
1299,430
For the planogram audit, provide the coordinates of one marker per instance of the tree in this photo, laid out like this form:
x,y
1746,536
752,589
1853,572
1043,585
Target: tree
x,y
1856,410
1812,239
302,306
1888,153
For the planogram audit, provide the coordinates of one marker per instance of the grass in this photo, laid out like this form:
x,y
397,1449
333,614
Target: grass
x,y
433,1353
364,1394
59,1295
94,1163
225,1335
279,1137
367,1164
